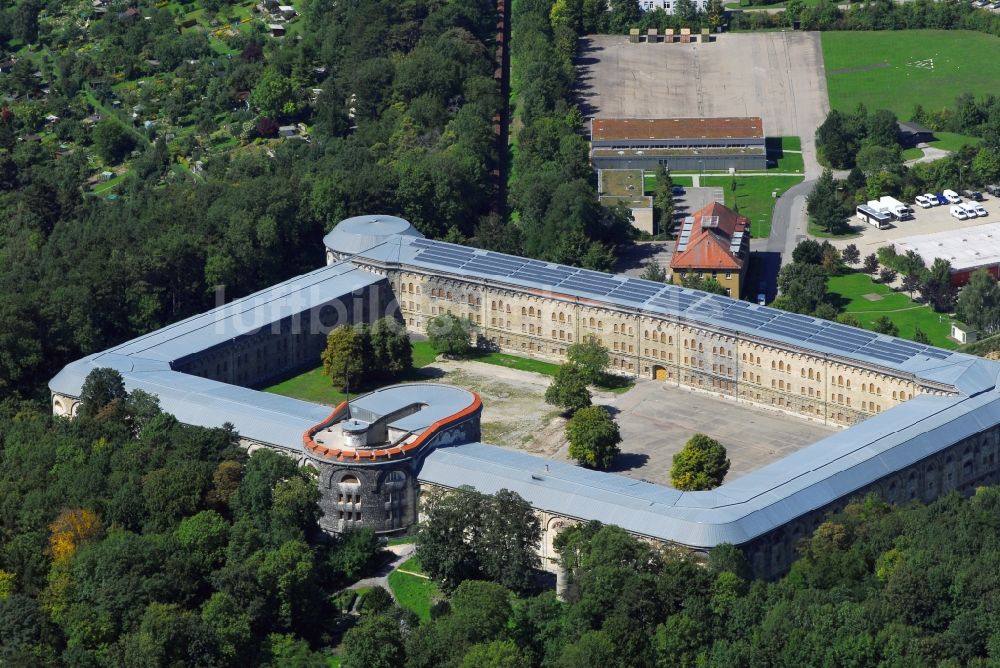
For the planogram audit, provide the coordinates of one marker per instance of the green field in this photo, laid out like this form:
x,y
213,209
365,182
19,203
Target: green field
x,y
414,593
649,181
897,70
787,154
753,196
905,313
315,386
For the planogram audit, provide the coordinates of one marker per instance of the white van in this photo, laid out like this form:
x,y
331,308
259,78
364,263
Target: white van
x,y
931,198
969,208
959,212
981,211
952,196
922,202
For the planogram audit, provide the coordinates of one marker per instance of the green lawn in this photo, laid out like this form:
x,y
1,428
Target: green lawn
x,y
413,565
753,196
315,386
611,383
401,540
817,231
898,69
905,313
952,141
649,182
414,593
786,152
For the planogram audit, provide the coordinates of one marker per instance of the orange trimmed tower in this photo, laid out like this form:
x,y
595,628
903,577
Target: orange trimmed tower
x,y
369,450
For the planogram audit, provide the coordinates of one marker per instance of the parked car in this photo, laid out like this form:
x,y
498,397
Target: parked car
x,y
981,211
974,195
952,196
959,212
969,208
932,198
923,202
941,199
677,190
993,189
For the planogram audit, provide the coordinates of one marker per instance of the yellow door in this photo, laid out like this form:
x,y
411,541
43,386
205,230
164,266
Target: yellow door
x,y
661,373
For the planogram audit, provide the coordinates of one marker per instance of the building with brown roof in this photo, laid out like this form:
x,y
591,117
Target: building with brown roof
x,y
681,144
714,242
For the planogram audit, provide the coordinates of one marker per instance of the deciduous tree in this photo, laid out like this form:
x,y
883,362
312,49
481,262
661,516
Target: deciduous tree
x,y
344,357
450,335
591,357
701,464
593,437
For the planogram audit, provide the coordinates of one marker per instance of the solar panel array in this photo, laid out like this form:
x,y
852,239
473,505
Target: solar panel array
x,y
657,297
686,228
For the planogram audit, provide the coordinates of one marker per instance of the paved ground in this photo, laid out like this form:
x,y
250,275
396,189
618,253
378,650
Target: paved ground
x,y
656,419
776,75
935,219
632,259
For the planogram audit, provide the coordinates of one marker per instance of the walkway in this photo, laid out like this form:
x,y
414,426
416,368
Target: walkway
x,y
381,578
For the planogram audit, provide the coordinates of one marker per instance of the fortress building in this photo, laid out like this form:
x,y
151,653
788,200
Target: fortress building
x,y
921,421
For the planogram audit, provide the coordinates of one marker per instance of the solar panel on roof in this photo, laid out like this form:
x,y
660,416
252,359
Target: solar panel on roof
x,y
583,287
494,264
445,262
627,297
884,356
937,354
840,330
833,343
783,331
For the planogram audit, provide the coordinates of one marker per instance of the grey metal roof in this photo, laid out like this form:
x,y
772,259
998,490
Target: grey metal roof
x,y
145,362
736,512
354,235
267,418
823,337
437,402
769,497
247,315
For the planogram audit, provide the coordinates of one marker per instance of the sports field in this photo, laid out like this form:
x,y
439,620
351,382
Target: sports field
x,y
899,69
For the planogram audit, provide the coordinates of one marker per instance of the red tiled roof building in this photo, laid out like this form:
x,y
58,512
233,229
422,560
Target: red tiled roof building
x,y
714,242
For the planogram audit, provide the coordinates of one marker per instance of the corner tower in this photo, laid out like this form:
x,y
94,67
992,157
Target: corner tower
x,y
368,452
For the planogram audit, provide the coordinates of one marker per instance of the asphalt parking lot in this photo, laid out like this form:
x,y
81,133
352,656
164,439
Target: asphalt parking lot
x,y
778,76
925,221
657,418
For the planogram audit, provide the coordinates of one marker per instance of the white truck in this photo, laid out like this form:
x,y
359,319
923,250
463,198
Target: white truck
x,y
899,210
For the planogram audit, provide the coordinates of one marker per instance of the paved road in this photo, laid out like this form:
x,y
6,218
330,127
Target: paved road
x,y
787,222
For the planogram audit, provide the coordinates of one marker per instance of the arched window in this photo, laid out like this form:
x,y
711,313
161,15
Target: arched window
x,y
349,480
524,311
591,322
562,317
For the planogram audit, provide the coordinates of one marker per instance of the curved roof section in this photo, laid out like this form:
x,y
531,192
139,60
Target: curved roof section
x,y
353,235
437,402
739,511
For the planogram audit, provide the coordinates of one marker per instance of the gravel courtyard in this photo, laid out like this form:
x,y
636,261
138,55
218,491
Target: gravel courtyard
x,y
655,419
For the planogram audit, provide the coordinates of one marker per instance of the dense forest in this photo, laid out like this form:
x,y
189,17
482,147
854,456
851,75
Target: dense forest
x,y
129,539
397,100
875,586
